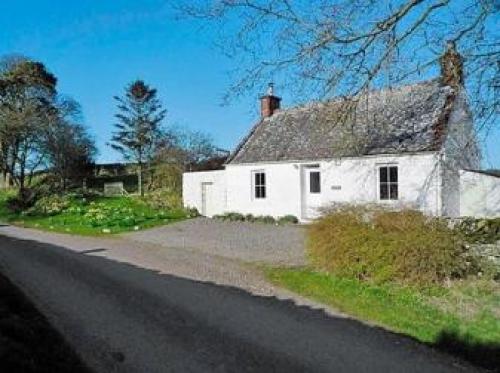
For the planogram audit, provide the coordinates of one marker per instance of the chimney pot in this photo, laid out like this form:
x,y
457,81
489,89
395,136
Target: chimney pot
x,y
269,103
452,66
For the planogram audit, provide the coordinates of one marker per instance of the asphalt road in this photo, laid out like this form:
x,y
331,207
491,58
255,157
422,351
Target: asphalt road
x,y
122,318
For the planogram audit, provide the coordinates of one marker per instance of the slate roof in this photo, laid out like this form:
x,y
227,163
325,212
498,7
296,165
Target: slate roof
x,y
410,118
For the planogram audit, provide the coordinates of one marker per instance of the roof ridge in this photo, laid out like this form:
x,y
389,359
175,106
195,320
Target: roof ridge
x,y
336,99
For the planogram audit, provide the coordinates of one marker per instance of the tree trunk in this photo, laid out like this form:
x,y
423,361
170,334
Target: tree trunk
x,y
139,180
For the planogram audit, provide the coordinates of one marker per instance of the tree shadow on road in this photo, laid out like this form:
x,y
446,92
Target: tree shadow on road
x,y
483,355
224,326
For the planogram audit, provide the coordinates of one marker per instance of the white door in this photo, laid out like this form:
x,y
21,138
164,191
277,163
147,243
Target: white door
x,y
311,192
207,199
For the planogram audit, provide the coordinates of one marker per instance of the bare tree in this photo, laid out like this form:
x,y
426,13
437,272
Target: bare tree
x,y
322,48
67,145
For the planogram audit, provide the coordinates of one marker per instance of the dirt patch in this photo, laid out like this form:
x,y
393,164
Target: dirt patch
x,y
28,343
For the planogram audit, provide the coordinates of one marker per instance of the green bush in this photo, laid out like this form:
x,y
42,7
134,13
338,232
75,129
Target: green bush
x,y
382,246
50,205
266,219
192,212
164,199
249,218
480,230
288,219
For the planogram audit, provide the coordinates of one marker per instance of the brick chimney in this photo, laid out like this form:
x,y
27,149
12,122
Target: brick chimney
x,y
452,66
269,103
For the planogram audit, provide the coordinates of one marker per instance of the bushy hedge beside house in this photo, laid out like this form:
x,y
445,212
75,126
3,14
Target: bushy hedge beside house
x,y
479,230
378,245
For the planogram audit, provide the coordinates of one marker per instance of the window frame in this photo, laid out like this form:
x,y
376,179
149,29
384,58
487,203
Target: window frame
x,y
389,182
261,185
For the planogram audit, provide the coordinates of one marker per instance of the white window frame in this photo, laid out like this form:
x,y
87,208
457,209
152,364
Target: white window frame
x,y
254,185
389,182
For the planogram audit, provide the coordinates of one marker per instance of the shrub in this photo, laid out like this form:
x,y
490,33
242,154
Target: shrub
x,y
266,219
480,230
192,212
164,199
50,205
249,218
288,219
233,216
381,246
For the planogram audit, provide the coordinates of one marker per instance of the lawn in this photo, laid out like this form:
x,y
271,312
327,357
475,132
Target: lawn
x,y
463,318
93,216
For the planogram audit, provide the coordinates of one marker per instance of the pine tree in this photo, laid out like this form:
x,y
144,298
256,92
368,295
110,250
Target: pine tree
x,y
139,125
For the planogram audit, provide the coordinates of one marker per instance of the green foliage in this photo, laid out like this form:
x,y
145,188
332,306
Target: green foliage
x,y
165,199
288,219
138,126
480,230
468,310
91,214
230,216
264,219
49,205
192,212
382,246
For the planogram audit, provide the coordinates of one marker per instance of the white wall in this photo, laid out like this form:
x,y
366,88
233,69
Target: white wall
x,y
479,195
460,151
192,190
346,180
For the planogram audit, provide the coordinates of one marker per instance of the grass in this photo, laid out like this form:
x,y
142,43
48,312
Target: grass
x,y
469,311
98,216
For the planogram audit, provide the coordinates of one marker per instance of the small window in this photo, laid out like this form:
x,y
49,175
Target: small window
x,y
388,183
314,182
259,182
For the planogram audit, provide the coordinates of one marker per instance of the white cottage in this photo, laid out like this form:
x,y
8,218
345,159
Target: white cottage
x,y
400,146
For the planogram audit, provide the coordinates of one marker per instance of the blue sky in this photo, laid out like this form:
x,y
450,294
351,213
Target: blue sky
x,y
97,47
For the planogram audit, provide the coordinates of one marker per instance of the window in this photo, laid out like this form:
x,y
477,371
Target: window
x,y
259,184
314,182
388,182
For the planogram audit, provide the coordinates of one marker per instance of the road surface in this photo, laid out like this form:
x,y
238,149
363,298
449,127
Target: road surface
x,y
124,318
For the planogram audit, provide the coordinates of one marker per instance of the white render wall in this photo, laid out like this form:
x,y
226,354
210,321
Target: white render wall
x,y
192,183
460,151
353,180
479,195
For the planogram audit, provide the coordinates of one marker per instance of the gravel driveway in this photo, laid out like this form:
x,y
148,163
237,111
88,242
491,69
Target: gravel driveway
x,y
252,242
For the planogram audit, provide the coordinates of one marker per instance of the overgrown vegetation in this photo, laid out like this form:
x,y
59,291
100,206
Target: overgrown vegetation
x,y
480,230
383,246
265,219
92,214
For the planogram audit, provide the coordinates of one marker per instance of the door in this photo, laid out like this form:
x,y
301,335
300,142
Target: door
x,y
207,199
311,192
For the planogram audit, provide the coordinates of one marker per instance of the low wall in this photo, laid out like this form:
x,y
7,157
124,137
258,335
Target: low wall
x,y
479,194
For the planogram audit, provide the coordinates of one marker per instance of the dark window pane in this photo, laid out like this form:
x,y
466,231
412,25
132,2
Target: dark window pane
x,y
314,182
260,185
393,174
384,191
383,174
394,191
